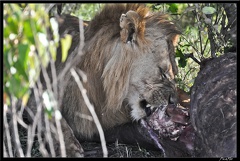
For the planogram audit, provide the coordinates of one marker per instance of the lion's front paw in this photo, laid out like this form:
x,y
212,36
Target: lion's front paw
x,y
74,149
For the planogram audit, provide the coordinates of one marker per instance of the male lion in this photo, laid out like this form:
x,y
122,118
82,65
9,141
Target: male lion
x,y
128,58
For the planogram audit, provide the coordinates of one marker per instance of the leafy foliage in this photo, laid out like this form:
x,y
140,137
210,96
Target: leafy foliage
x,y
203,36
24,35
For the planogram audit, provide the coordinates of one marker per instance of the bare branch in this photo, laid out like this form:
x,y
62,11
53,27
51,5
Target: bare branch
x,y
191,56
188,72
212,43
49,136
92,111
36,118
7,131
15,129
5,154
199,33
61,138
192,45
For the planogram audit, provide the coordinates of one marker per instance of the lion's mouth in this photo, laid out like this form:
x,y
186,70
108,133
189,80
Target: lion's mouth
x,y
165,122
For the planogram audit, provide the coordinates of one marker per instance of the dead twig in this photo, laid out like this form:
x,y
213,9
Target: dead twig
x,y
92,111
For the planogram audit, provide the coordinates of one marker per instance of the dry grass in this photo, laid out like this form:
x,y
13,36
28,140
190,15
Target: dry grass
x,y
92,149
117,150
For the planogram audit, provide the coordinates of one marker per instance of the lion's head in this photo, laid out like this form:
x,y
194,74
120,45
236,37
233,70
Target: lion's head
x,y
130,51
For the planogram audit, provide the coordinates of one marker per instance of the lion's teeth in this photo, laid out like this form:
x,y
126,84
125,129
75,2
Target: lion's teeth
x,y
148,105
175,132
174,139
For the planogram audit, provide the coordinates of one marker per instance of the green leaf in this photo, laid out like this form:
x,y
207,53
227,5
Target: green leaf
x,y
6,53
179,53
27,29
65,43
6,32
15,85
173,7
20,70
182,62
12,24
208,10
21,64
23,50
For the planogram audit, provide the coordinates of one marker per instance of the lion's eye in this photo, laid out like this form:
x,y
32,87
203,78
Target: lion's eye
x,y
164,75
162,72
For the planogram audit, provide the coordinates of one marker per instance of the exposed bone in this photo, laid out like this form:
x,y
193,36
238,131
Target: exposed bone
x,y
153,135
168,121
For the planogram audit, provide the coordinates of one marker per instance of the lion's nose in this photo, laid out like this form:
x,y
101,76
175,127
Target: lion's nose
x,y
172,99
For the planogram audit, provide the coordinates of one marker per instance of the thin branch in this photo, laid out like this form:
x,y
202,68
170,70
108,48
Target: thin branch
x,y
212,43
92,111
205,45
55,107
7,131
54,76
199,33
42,148
187,73
5,154
72,61
15,129
191,56
61,137
49,7
29,142
76,54
191,45
49,136
81,35
36,119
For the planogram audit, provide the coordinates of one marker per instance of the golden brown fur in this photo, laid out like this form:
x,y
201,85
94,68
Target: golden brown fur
x,y
120,74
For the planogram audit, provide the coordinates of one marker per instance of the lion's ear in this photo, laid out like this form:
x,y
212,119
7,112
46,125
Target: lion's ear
x,y
129,23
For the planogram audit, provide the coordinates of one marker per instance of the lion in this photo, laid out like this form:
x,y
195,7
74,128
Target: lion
x,y
130,73
129,61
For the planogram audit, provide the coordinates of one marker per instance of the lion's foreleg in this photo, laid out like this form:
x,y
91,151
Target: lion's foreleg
x,y
73,147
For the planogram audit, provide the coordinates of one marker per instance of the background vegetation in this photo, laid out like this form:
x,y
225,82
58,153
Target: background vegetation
x,y
208,30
